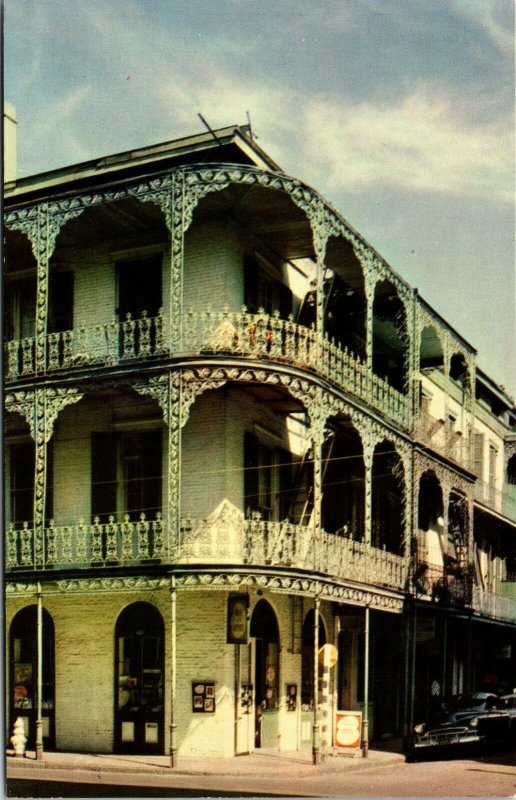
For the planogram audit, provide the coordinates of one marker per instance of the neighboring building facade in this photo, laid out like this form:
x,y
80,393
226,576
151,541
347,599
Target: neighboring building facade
x,y
233,435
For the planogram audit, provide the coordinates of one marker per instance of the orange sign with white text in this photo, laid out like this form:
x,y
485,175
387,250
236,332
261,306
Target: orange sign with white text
x,y
348,729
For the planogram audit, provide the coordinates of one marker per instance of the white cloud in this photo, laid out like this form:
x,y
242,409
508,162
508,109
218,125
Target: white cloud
x,y
424,141
484,13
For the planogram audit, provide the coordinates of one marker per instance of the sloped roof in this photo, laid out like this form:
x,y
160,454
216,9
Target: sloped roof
x,y
232,144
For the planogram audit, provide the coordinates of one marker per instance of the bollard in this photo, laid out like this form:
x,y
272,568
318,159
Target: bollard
x,y
18,739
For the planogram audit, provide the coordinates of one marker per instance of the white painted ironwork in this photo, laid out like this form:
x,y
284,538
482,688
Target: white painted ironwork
x,y
494,605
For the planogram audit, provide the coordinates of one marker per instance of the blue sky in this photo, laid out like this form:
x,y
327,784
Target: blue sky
x,y
400,112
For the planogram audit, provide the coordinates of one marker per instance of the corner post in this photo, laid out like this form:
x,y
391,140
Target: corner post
x,y
39,670
365,718
316,743
173,637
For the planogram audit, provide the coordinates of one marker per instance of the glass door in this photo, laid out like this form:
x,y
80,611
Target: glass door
x,y
139,681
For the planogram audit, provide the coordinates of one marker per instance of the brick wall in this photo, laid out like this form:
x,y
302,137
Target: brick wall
x,y
85,664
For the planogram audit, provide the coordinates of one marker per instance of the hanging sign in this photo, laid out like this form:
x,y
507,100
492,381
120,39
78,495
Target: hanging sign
x,y
348,730
328,655
237,618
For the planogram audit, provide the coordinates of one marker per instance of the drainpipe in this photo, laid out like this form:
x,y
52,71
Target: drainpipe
x,y
173,625
39,669
316,746
365,719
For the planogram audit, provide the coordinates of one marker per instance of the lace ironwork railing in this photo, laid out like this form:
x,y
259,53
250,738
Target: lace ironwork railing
x,y
261,336
444,585
218,540
283,544
494,605
437,434
108,344
88,545
267,336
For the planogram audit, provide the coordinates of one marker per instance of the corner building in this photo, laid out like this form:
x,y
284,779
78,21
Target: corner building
x,y
233,435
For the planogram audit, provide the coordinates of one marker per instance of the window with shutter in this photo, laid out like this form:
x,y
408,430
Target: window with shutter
x,y
478,455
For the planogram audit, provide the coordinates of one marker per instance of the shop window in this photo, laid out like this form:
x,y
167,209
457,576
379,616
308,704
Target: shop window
x,y
23,678
126,474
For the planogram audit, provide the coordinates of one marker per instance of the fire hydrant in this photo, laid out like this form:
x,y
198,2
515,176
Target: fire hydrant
x,y
18,739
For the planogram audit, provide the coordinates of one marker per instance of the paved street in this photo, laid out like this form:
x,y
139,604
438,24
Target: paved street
x,y
493,776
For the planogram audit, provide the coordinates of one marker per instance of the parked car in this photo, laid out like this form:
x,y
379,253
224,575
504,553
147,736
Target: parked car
x,y
509,705
467,720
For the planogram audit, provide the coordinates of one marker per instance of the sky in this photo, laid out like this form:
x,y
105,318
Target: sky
x,y
399,112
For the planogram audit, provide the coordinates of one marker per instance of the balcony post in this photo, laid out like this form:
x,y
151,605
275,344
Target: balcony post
x,y
40,476
316,743
39,674
173,644
370,280
368,448
365,719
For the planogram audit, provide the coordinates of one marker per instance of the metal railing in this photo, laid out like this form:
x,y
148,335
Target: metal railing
x,y
267,336
83,545
437,434
101,345
223,539
442,585
502,501
494,605
261,335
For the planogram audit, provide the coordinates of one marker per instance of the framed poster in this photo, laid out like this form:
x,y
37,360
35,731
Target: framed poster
x,y
203,697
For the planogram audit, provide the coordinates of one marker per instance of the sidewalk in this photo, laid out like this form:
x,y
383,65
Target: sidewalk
x,y
262,763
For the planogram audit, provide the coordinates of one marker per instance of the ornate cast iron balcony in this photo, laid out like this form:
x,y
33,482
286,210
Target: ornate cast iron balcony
x,y
224,538
101,345
436,434
261,335
84,545
268,336
439,584
494,605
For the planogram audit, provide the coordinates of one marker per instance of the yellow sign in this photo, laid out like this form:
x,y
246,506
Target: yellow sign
x,y
328,655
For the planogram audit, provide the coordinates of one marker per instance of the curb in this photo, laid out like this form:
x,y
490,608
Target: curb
x,y
22,767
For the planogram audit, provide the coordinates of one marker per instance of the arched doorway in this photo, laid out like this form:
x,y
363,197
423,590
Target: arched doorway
x,y
139,680
265,637
23,677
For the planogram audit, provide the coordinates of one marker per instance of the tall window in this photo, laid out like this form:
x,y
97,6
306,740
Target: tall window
x,y
139,286
262,289
267,479
126,473
22,456
20,308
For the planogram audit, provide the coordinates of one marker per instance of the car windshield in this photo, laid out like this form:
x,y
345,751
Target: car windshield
x,y
466,701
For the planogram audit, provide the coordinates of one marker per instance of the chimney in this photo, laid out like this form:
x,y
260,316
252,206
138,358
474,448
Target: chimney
x,y
9,143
